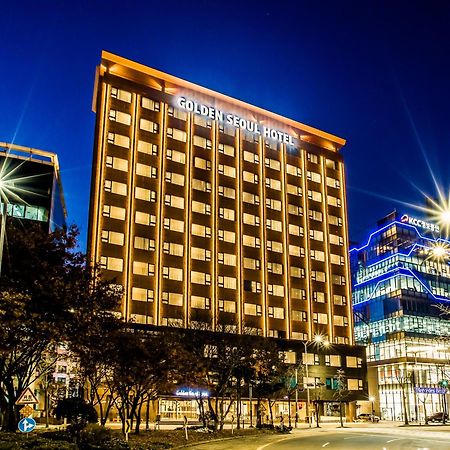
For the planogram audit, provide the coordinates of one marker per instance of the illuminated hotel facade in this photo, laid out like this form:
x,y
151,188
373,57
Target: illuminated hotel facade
x,y
399,276
210,211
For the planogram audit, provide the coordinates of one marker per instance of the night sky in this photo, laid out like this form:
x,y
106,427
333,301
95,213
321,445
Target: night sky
x,y
376,73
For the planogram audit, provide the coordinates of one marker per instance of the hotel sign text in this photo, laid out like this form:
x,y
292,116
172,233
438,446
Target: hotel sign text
x,y
234,120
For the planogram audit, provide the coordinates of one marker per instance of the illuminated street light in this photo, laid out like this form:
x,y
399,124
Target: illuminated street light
x,y
439,251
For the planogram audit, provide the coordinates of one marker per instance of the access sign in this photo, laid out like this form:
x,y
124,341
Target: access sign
x,y
27,398
27,425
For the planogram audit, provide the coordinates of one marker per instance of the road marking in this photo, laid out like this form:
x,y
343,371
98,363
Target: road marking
x,y
324,445
274,442
392,440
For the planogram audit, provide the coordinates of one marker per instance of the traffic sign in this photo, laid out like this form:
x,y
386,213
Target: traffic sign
x,y
26,411
27,398
26,425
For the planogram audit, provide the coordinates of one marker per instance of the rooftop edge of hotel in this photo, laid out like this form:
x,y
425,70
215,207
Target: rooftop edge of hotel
x,y
110,60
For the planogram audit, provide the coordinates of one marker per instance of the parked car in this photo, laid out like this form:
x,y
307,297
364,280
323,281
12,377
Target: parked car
x,y
437,417
367,417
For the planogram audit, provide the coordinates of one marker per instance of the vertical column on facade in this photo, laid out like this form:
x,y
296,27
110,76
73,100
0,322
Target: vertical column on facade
x,y
284,204
346,254
262,203
306,241
160,221
215,226
326,244
187,217
129,217
239,151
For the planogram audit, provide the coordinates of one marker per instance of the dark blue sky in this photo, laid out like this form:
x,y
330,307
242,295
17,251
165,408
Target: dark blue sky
x,y
374,72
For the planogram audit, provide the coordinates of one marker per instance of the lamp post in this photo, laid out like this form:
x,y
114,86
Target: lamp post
x,y
372,399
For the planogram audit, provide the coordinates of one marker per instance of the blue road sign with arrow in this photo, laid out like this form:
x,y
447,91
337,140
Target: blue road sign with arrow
x,y
26,425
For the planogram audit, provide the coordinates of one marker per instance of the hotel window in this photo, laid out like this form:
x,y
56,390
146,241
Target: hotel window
x,y
337,259
117,163
172,298
274,268
275,246
336,240
144,243
148,103
200,302
333,220
331,164
201,163
338,279
294,190
273,184
332,182
339,300
177,113
299,294
227,259
312,158
315,215
146,171
176,156
227,236
251,219
271,203
119,116
148,125
114,212
200,141
227,214
313,176
299,316
175,178
200,185
251,241
227,192
147,148
319,297
333,201
314,195
227,306
227,170
251,309
272,163
252,264
174,201
201,230
113,237
340,321
121,95
295,210
333,360
312,359
295,230
141,294
318,275
297,272
317,255
316,235
145,218
115,187
200,254
143,268
145,194
252,286
252,199
177,134
226,149
251,157
173,225
353,361
293,170
202,121
295,250
229,130
201,278
276,312
227,282
341,340
170,248
173,273
250,177
321,318
201,208
119,140
274,225
109,263
271,144
354,384
275,290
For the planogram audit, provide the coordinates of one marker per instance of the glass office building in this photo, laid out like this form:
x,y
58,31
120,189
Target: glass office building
x,y
400,276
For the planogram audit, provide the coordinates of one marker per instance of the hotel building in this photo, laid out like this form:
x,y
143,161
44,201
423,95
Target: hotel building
x,y
399,276
213,213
